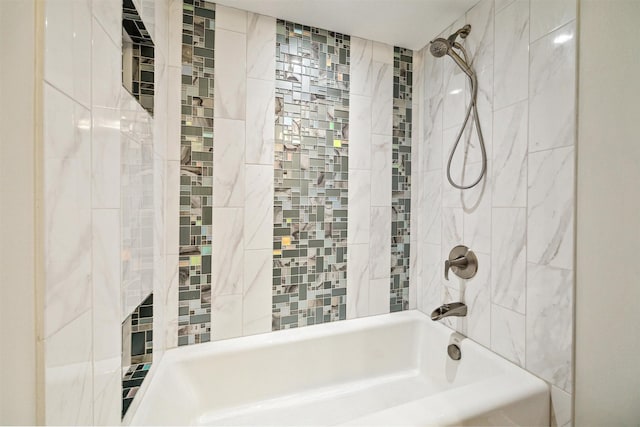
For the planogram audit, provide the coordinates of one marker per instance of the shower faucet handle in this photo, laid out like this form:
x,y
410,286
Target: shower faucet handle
x,y
462,261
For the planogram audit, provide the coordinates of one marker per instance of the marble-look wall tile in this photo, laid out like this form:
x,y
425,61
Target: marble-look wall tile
x,y
105,153
380,246
256,302
160,117
552,90
549,324
360,148
560,408
379,296
171,300
69,379
431,261
106,331
452,227
454,105
228,163
67,55
230,76
105,238
417,193
226,317
510,156
361,68
106,76
381,150
481,45
107,391
501,4
358,231
382,100
173,113
358,281
258,207
227,265
511,54
508,334
431,216
550,209
549,15
67,210
509,258
414,276
159,255
382,53
477,214
230,18
260,127
109,14
174,55
261,38
477,296
172,207
433,112
452,197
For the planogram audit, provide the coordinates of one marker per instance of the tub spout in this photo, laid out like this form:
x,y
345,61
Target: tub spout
x,y
457,309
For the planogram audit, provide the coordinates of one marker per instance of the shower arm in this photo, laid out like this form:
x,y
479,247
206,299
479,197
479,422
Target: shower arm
x,y
472,105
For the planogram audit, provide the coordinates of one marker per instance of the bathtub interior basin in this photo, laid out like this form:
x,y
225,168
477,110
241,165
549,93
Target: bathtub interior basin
x,y
383,370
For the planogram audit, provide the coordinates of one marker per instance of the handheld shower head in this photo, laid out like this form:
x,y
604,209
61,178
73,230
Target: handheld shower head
x,y
439,47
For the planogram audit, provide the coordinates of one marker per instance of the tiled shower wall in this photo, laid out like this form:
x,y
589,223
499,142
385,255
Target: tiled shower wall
x,y
234,297
87,146
268,100
519,221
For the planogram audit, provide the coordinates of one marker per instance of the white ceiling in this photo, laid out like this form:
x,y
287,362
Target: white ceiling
x,y
406,23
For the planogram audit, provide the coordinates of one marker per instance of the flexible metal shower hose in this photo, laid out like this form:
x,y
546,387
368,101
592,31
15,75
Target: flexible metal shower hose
x,y
472,106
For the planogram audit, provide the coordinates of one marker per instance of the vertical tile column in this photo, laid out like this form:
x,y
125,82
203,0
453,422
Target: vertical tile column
x,y
417,193
196,172
172,197
67,214
227,266
380,184
259,146
106,213
311,173
401,178
358,231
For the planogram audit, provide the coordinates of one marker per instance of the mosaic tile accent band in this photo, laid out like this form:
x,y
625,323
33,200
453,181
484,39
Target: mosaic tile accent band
x,y
138,330
311,170
143,53
401,178
196,172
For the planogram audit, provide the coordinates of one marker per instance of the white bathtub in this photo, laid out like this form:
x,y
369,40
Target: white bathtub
x,y
383,370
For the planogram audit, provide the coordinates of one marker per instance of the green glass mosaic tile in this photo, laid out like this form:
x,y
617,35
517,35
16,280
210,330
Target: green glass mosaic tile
x,y
401,179
310,172
196,169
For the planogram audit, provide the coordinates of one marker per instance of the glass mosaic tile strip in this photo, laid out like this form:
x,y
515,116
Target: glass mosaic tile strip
x,y
310,170
401,178
137,329
196,172
141,81
131,383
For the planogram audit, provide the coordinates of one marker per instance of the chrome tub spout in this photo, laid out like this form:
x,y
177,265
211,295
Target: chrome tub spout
x,y
457,309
